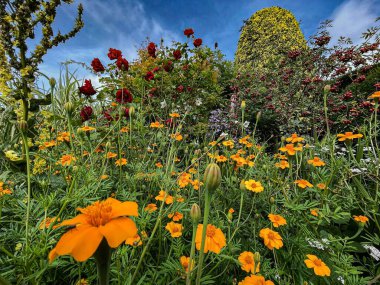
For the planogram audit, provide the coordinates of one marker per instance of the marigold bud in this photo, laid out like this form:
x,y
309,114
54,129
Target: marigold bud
x,y
212,177
327,89
52,82
132,111
69,107
256,257
242,185
195,213
271,200
23,125
258,116
108,145
243,105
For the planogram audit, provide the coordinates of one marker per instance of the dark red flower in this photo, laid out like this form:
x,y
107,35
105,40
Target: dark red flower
x,y
152,92
97,66
377,85
152,49
123,96
197,42
87,89
149,76
126,112
156,69
86,113
180,88
107,115
122,63
168,66
114,53
294,54
177,54
322,40
188,32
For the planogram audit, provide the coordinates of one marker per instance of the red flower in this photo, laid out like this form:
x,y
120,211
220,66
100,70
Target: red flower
x,y
114,53
188,32
123,96
180,88
122,63
149,76
168,66
177,54
97,66
152,49
126,112
86,113
87,89
152,92
107,114
197,42
156,69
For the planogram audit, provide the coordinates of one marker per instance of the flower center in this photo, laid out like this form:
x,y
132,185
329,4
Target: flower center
x,y
270,236
318,262
210,231
98,214
249,260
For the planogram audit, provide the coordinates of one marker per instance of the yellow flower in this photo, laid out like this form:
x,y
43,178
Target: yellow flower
x,y
290,149
361,219
282,164
63,136
163,196
316,161
150,208
314,212
174,229
67,160
271,238
4,191
121,161
176,217
320,268
294,138
184,180
185,262
348,136
196,184
159,165
104,177
156,125
213,143
215,239
174,115
176,136
111,155
221,158
253,186
277,220
302,183
87,129
124,130
12,155
229,143
247,262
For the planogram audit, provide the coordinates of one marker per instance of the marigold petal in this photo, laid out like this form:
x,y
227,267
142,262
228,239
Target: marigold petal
x,y
80,219
125,209
118,230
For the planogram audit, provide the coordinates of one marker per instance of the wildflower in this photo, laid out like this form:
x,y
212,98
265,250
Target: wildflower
x,y
48,144
215,239
375,95
176,136
213,143
12,155
82,282
174,115
104,177
134,241
184,180
247,262
255,280
87,129
314,212
321,186
253,186
177,54
151,49
123,96
121,161
111,154
188,32
221,158
122,63
176,217
163,196
229,143
348,136
97,66
271,238
320,268
277,220
124,130
150,208
185,262
196,184
302,183
294,138
4,191
290,149
159,165
87,88
231,210
316,161
63,136
45,224
67,159
114,54
107,219
282,164
174,229
361,219
86,113
197,42
157,125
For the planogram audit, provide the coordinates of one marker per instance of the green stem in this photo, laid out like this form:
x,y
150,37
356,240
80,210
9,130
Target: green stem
x,y
192,253
27,157
204,230
103,262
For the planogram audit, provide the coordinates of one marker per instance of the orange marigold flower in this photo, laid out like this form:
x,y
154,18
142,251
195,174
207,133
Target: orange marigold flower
x,y
124,130
87,129
320,268
375,95
107,220
282,164
255,280
314,212
253,186
174,115
302,183
213,143
321,186
196,184
111,155
176,136
361,219
316,161
177,216
215,239
163,196
348,136
184,180
150,208
277,220
271,238
294,138
4,191
121,161
231,211
156,125
67,160
45,224
174,229
63,136
247,262
229,143
221,158
104,177
159,165
185,262
290,149
134,241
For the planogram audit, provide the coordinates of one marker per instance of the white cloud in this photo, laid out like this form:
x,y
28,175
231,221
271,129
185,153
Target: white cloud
x,y
352,18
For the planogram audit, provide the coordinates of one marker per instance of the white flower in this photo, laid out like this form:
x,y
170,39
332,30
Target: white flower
x,y
340,278
163,104
246,124
198,102
373,251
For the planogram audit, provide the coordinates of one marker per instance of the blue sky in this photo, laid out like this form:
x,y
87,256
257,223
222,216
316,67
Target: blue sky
x,y
125,24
